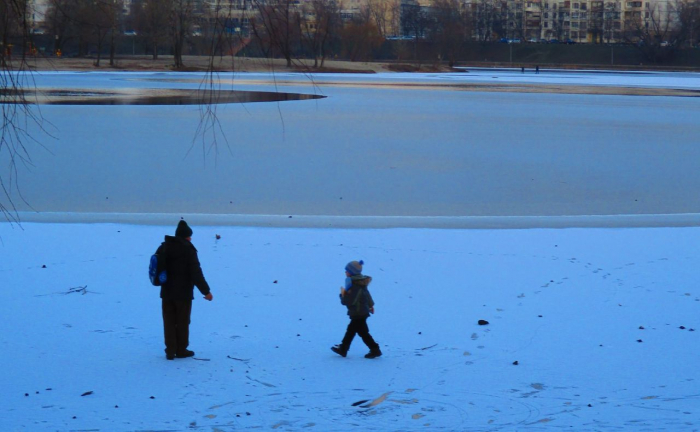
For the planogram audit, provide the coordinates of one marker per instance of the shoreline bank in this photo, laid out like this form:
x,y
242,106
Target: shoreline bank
x,y
374,222
145,63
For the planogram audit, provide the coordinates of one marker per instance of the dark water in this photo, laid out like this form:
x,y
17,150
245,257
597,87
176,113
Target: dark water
x,y
152,97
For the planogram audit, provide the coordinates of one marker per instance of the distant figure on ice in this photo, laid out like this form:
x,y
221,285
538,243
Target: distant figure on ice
x,y
537,69
358,300
183,273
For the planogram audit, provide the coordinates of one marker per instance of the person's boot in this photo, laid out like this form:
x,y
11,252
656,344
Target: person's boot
x,y
373,353
169,356
340,350
185,354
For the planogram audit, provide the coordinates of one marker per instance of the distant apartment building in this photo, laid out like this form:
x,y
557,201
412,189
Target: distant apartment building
x,y
37,14
37,10
232,16
580,21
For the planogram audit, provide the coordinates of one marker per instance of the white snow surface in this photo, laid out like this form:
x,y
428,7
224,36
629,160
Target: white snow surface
x,y
603,321
566,304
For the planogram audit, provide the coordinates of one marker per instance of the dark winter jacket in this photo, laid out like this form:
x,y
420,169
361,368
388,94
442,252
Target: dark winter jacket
x,y
357,298
183,270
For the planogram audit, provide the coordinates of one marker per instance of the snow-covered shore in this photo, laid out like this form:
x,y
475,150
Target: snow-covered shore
x,y
592,316
378,222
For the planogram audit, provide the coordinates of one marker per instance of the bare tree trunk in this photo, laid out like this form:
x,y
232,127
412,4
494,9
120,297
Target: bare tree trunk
x,y
99,48
112,48
181,16
179,42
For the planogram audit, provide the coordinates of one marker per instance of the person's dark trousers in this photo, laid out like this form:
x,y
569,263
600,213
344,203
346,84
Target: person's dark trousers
x,y
176,325
359,326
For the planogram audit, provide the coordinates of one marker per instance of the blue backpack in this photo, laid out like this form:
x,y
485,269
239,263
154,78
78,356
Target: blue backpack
x,y
156,268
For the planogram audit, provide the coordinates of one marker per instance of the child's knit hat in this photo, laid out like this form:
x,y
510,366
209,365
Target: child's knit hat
x,y
354,267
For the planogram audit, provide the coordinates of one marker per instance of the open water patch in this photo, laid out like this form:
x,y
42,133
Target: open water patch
x,y
147,97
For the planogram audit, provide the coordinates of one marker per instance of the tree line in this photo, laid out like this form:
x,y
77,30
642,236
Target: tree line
x,y
322,29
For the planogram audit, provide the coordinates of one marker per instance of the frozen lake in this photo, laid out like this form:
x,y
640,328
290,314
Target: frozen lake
x,y
400,145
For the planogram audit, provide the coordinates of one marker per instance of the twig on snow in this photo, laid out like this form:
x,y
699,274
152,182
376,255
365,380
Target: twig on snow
x,y
75,290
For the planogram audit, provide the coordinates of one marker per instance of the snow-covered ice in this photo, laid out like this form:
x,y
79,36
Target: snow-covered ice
x,y
371,151
566,304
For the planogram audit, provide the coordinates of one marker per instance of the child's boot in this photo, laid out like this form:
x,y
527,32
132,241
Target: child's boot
x,y
340,350
374,353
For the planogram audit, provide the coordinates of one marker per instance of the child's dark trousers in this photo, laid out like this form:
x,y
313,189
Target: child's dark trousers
x,y
359,326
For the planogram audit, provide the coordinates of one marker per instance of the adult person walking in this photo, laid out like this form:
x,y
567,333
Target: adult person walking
x,y
177,292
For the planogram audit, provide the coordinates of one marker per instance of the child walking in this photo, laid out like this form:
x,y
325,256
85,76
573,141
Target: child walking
x,y
358,300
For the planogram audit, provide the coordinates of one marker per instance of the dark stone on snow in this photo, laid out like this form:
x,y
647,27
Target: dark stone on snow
x,y
483,322
682,327
639,340
515,363
87,393
153,397
641,327
43,266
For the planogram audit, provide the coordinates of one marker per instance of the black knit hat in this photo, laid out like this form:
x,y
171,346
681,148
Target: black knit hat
x,y
183,230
